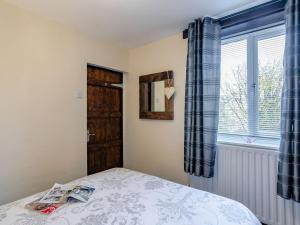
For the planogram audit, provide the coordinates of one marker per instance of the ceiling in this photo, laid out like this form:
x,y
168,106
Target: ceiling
x,y
131,23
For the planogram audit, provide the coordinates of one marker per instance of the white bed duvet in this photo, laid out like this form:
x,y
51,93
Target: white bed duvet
x,y
126,197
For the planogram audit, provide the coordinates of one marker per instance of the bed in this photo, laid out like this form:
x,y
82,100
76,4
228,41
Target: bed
x,y
126,197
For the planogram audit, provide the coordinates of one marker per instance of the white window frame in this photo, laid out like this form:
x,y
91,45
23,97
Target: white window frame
x,y
252,92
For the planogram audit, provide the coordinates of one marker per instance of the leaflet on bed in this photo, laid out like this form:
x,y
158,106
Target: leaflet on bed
x,y
60,194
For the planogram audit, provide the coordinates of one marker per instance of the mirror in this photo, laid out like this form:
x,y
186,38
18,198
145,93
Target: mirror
x,y
158,96
153,102
154,93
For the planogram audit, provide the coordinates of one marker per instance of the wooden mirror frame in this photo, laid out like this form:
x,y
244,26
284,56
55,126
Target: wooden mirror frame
x,y
169,103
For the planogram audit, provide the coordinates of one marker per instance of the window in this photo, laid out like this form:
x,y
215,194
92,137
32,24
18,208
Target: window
x,y
251,82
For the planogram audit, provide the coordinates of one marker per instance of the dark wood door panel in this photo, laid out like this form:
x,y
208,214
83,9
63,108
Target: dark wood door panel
x,y
104,99
104,75
104,122
105,129
98,99
106,158
99,147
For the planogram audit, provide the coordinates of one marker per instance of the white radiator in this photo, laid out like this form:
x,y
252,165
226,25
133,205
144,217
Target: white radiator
x,y
248,175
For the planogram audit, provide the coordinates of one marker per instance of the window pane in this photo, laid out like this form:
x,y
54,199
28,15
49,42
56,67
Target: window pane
x,y
270,69
233,97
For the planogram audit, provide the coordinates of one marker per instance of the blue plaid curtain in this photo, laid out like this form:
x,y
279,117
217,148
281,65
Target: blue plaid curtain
x,y
202,95
288,184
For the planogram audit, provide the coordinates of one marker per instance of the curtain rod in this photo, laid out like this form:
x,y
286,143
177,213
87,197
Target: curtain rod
x,y
272,12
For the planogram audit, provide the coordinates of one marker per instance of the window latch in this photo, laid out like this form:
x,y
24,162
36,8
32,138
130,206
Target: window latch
x,y
254,89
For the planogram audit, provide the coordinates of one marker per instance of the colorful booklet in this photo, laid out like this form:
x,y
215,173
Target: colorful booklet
x,y
43,208
60,194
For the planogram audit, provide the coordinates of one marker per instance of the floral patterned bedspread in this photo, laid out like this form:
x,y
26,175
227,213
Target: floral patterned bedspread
x,y
126,197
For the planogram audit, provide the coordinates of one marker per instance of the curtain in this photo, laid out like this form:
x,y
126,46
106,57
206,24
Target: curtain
x,y
288,182
202,95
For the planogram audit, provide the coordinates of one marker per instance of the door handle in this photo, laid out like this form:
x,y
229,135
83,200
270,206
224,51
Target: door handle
x,y
88,135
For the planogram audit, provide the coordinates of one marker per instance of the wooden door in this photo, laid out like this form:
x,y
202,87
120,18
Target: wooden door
x,y
104,120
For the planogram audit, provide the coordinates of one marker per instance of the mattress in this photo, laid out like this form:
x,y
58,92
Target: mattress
x,y
126,197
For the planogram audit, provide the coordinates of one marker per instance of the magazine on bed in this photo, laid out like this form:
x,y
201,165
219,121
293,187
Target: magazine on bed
x,y
60,194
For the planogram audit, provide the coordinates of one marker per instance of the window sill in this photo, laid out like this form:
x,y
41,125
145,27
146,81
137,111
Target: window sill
x,y
270,148
258,143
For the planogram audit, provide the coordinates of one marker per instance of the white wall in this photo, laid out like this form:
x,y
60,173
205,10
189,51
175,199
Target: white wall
x,y
42,124
156,146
